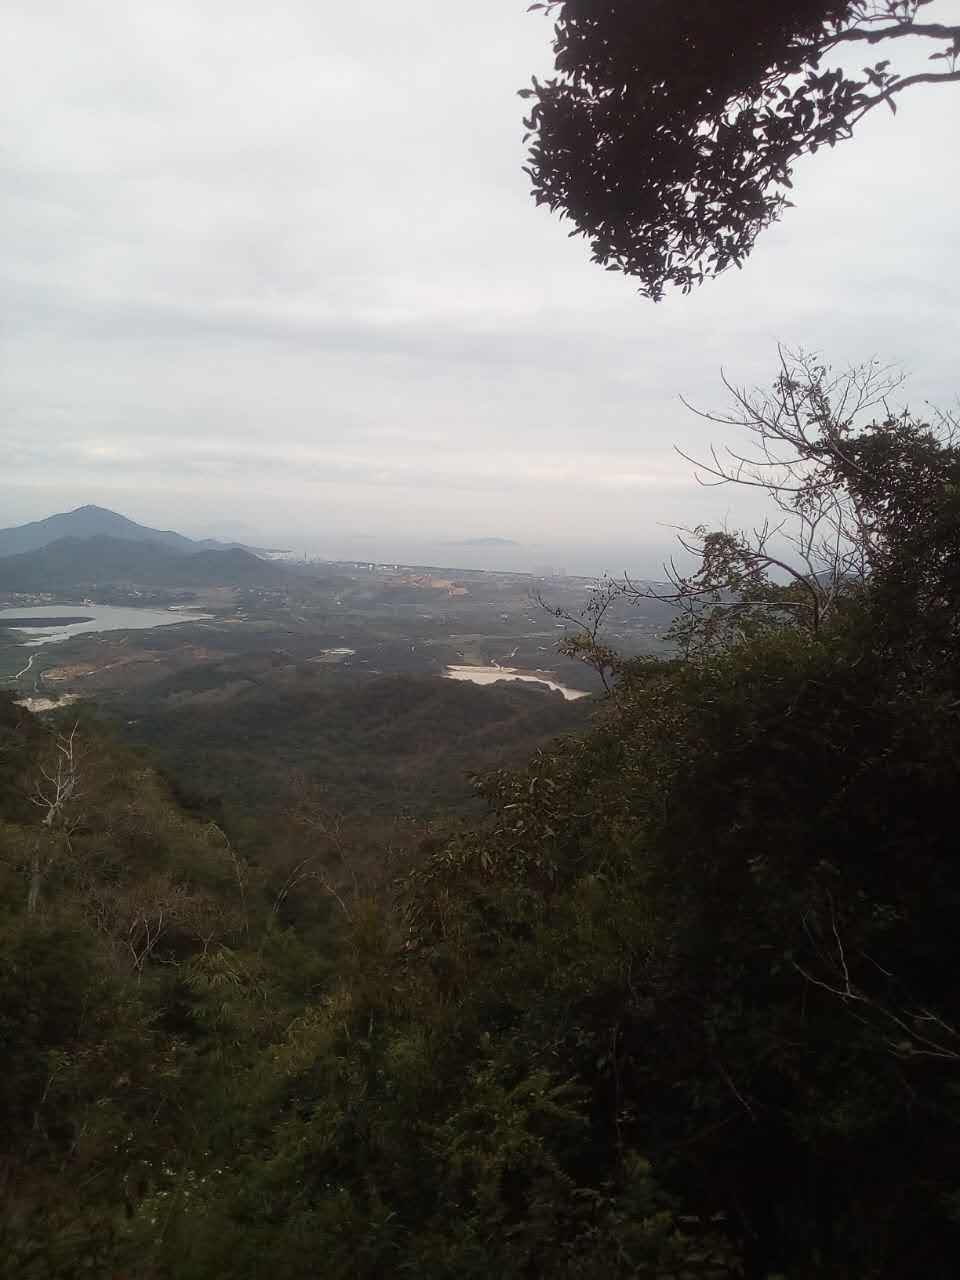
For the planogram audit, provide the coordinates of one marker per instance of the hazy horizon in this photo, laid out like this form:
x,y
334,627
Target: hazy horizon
x,y
491,554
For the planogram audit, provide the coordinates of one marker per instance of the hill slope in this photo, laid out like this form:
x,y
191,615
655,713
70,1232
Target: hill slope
x,y
81,562
382,744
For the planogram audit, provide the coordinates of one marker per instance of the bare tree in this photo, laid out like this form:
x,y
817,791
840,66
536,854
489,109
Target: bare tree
x,y
906,1027
584,643
57,790
146,928
326,829
147,913
801,454
240,869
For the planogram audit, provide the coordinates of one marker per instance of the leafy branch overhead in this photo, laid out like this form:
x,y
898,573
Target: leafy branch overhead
x,y
669,134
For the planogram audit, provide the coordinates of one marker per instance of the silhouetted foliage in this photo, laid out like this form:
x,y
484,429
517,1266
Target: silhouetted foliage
x,y
669,134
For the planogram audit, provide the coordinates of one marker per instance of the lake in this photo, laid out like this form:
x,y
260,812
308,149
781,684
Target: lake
x,y
47,624
490,675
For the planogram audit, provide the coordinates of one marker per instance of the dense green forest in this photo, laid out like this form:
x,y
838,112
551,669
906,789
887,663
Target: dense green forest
x,y
382,745
683,1003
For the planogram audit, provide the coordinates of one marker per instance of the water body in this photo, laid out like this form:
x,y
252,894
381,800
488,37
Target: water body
x,y
48,624
490,675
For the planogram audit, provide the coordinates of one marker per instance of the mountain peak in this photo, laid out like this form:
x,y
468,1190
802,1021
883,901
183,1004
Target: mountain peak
x,y
91,521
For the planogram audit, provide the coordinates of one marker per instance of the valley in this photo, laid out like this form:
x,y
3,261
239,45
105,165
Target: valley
x,y
371,621
384,686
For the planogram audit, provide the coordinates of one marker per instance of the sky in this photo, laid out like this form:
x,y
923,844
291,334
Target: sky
x,y
273,271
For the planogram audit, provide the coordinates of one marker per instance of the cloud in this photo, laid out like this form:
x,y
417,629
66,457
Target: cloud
x,y
483,542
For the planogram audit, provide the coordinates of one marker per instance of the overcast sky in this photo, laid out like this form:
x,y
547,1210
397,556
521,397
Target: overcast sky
x,y
272,270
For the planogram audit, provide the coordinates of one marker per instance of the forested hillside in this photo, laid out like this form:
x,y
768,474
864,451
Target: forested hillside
x,y
667,988
683,1004
72,562
382,745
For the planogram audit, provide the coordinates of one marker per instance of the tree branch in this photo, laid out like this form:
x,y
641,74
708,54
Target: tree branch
x,y
927,30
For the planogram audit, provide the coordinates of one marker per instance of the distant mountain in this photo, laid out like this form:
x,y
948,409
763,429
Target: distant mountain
x,y
98,522
97,561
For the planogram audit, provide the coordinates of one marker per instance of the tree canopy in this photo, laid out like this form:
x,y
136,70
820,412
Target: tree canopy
x,y
669,133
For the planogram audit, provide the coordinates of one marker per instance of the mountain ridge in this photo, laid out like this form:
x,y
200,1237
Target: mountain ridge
x,y
98,561
91,521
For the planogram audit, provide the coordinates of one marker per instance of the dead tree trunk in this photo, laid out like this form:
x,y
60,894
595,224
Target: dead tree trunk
x,y
56,791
